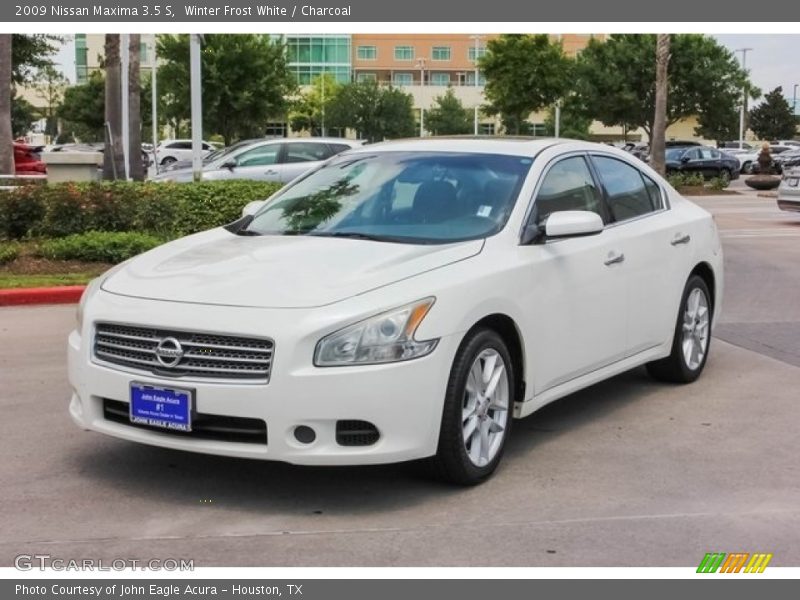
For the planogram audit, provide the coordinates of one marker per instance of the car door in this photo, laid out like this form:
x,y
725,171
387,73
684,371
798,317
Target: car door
x,y
578,289
299,157
656,247
259,162
692,162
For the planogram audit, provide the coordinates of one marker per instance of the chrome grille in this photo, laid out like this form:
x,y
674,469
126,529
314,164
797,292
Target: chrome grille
x,y
205,355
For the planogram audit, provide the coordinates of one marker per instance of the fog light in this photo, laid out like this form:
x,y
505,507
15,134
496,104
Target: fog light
x,y
304,434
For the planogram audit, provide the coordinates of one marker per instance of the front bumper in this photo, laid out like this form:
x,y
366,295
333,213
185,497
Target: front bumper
x,y
403,400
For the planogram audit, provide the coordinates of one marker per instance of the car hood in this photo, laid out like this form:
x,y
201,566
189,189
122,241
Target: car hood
x,y
218,267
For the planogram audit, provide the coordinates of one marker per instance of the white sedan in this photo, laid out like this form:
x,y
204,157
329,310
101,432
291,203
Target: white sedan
x,y
405,300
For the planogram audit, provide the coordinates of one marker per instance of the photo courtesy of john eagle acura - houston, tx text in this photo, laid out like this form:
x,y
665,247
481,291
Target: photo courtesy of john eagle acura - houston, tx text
x,y
404,300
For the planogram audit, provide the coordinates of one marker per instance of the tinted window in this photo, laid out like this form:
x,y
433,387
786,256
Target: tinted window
x,y
339,148
180,145
627,194
412,197
262,155
306,151
568,185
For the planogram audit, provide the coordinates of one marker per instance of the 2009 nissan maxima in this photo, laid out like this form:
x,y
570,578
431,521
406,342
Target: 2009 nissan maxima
x,y
402,301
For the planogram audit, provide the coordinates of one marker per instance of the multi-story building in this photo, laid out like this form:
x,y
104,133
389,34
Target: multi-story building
x,y
90,50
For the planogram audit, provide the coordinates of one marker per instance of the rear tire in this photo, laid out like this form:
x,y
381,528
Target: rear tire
x,y
725,175
692,336
477,415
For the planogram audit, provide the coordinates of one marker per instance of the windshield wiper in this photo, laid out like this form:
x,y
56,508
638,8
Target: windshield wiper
x,y
351,234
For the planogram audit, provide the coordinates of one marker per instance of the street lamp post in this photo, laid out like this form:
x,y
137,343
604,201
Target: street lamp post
x,y
154,99
421,65
323,101
196,105
744,52
477,39
126,115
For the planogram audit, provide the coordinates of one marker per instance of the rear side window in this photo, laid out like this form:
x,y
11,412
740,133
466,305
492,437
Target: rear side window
x,y
180,146
568,185
306,152
337,148
630,193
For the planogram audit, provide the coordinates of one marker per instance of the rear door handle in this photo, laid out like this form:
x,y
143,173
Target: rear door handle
x,y
681,238
614,258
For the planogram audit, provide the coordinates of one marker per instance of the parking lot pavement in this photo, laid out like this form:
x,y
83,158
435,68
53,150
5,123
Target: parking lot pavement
x,y
628,472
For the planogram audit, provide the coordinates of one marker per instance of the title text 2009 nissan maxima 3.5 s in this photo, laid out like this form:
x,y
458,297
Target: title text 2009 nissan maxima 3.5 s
x,y
405,300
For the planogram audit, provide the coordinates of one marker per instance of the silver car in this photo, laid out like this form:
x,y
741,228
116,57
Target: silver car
x,y
789,191
279,159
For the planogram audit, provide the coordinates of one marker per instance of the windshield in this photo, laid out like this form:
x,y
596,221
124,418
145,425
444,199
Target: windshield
x,y
412,197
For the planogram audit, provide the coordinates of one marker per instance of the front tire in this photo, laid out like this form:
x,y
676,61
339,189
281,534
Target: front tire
x,y
476,419
168,161
692,336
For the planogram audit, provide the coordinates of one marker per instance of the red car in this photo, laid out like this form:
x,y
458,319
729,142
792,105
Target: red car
x,y
28,160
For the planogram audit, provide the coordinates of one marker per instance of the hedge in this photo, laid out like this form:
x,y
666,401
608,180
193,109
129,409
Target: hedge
x,y
98,246
166,210
8,252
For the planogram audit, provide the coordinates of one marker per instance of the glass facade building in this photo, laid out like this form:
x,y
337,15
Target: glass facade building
x,y
308,56
81,66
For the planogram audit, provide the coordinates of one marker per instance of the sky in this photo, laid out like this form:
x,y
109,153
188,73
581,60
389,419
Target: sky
x,y
771,62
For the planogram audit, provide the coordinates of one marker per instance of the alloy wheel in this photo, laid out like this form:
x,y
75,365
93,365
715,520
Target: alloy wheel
x,y
485,407
695,329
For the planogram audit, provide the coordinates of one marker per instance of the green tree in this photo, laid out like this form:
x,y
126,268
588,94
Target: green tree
x,y
30,54
49,85
524,74
23,116
82,110
309,110
375,112
617,78
575,122
448,116
773,118
245,82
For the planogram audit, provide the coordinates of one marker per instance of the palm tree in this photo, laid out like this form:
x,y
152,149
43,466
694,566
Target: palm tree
x,y
6,137
658,136
134,109
113,164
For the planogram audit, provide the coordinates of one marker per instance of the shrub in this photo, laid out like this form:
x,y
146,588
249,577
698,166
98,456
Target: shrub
x,y
8,252
98,246
718,183
20,210
163,209
677,180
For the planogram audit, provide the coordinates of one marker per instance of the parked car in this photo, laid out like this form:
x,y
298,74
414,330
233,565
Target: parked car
x,y
705,160
404,300
784,160
789,190
276,159
681,143
213,155
28,160
794,143
728,146
170,151
748,161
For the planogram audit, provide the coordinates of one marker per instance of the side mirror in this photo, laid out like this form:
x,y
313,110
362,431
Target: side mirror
x,y
684,159
252,208
572,223
229,164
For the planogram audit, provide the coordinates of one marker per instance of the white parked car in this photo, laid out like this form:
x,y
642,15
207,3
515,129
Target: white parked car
x,y
403,301
789,190
170,151
275,159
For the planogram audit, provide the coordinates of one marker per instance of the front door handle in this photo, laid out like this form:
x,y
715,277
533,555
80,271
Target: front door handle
x,y
614,258
681,238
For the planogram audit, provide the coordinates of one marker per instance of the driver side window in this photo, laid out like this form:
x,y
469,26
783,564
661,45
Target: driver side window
x,y
257,157
568,185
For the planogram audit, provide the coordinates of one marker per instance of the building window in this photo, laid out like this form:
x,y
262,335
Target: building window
x,y
275,129
404,52
440,53
486,128
471,78
143,53
440,78
366,77
539,129
81,67
367,53
403,79
471,53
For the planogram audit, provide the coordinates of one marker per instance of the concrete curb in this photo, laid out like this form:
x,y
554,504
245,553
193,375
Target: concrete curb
x,y
66,294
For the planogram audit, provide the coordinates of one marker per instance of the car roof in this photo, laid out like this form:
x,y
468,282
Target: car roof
x,y
515,146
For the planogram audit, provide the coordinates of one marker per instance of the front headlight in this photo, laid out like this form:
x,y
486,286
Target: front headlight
x,y
387,337
90,290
